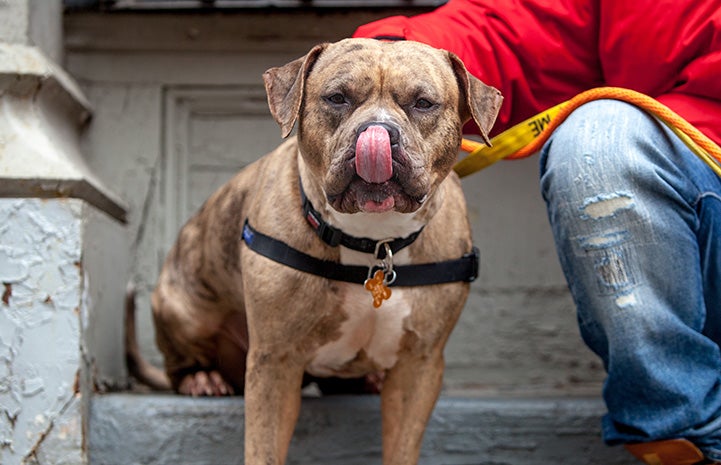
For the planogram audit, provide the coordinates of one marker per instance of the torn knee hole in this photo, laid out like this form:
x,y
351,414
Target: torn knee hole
x,y
607,205
612,272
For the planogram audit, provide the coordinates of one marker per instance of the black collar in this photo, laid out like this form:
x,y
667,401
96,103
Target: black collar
x,y
335,237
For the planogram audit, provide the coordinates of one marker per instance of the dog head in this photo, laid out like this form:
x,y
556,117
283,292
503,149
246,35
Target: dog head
x,y
379,123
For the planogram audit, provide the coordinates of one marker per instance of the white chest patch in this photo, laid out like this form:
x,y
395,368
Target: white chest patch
x,y
392,224
377,332
370,337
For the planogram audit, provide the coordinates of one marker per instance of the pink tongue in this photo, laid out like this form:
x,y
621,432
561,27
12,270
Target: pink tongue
x,y
373,160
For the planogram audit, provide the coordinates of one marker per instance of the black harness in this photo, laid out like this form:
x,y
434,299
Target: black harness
x,y
464,268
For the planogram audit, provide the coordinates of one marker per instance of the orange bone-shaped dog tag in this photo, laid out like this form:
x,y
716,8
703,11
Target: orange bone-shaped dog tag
x,y
377,287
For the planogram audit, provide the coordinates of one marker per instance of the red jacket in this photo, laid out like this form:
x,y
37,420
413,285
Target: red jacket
x,y
542,52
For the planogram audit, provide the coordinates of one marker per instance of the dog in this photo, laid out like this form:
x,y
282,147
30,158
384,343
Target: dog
x,y
346,252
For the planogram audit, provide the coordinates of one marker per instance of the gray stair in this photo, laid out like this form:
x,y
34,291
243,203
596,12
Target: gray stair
x,y
141,429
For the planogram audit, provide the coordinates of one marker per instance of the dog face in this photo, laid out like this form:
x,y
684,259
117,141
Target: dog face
x,y
380,121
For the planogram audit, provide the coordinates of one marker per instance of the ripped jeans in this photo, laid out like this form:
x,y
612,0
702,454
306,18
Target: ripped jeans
x,y
636,217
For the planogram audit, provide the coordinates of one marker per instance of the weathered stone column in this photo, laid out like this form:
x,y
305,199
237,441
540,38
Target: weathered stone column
x,y
61,248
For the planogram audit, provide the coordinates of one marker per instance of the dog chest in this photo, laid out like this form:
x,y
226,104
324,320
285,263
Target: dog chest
x,y
369,337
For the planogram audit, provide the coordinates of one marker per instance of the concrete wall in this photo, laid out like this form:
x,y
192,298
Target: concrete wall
x,y
36,23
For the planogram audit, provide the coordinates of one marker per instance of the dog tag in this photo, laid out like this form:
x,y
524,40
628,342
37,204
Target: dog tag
x,y
378,289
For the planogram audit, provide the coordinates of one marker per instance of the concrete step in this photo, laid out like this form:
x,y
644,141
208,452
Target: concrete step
x,y
135,429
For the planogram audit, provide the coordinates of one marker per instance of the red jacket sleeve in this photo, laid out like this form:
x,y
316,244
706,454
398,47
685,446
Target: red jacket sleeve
x,y
541,52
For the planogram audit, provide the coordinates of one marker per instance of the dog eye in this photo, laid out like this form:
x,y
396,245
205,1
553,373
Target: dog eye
x,y
336,99
423,104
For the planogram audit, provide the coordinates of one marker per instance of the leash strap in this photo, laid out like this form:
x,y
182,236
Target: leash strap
x,y
461,269
335,237
527,137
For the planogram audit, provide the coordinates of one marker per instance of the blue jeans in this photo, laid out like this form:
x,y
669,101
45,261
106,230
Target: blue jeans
x,y
636,218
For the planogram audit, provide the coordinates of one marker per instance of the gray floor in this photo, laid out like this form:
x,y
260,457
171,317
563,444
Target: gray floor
x,y
130,429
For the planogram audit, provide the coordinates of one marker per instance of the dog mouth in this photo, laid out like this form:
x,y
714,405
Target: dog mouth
x,y
377,176
361,196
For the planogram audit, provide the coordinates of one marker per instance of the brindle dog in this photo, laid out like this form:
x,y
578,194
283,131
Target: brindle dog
x,y
378,130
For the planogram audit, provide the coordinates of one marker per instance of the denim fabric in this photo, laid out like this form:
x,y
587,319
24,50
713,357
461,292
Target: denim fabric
x,y
636,218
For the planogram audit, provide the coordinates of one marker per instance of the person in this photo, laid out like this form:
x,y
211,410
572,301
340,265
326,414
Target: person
x,y
635,215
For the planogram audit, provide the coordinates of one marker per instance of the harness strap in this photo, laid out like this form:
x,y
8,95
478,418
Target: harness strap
x,y
461,269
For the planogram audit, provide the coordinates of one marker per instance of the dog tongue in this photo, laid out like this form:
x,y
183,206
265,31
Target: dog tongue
x,y
373,160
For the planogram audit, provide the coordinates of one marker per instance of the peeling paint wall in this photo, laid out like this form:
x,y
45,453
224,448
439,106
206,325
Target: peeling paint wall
x,y
42,280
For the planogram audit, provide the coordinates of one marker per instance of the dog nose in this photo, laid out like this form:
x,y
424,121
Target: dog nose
x,y
394,134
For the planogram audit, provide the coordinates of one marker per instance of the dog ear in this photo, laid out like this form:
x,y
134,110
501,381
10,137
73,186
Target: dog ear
x,y
480,101
284,86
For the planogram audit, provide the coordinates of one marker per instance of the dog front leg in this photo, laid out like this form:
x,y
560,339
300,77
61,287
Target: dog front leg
x,y
272,403
409,394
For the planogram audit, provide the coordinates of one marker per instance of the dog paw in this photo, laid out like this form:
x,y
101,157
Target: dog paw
x,y
203,383
374,382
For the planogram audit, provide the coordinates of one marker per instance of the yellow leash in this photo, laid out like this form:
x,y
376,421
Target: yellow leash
x,y
527,137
